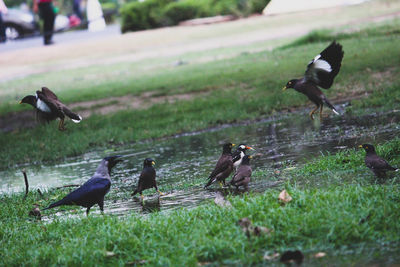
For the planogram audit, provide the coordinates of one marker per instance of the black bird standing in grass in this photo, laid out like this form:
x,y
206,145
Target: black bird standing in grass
x,y
320,72
378,165
49,108
147,178
238,155
224,166
243,174
93,191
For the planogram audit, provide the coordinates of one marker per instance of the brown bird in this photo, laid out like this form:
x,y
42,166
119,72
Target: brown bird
x,y
48,107
147,178
224,166
320,72
243,174
378,165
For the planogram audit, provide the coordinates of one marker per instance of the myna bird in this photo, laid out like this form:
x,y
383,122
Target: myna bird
x,y
238,155
320,72
49,108
93,191
243,173
224,166
378,165
147,178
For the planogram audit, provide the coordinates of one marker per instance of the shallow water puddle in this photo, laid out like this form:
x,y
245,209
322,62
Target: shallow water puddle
x,y
183,163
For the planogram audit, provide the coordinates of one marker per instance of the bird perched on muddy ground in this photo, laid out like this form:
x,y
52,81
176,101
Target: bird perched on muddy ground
x,y
48,107
378,165
238,155
320,72
242,175
224,166
93,191
147,178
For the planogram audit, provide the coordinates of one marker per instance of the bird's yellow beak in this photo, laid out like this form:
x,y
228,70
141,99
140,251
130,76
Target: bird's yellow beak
x,y
233,145
20,102
284,88
153,163
360,146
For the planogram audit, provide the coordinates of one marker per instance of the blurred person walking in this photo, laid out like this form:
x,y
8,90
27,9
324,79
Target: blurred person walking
x,y
3,10
47,14
77,9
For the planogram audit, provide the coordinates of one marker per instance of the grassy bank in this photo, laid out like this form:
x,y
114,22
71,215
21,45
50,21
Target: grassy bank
x,y
368,215
244,87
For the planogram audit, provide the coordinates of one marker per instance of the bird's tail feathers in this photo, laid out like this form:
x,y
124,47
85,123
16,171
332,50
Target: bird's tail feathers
x,y
56,204
134,192
329,104
74,117
210,181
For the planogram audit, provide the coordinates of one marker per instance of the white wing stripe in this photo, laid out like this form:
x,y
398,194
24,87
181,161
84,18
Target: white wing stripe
x,y
42,106
322,64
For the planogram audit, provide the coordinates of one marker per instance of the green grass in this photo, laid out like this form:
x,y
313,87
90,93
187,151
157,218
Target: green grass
x,y
244,87
368,214
334,217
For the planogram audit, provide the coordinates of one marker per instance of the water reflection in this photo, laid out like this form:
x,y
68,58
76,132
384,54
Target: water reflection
x,y
183,160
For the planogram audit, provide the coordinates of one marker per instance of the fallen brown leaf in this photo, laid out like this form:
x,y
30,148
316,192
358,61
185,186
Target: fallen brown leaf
x,y
284,197
320,255
220,201
273,256
292,256
109,254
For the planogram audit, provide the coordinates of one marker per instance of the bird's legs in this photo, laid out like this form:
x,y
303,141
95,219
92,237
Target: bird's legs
x,y
101,205
87,211
61,125
320,112
159,192
312,112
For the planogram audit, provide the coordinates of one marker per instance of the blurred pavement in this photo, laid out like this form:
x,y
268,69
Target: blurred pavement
x,y
61,38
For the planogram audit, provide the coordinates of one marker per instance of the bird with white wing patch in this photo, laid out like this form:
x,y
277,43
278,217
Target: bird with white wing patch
x,y
321,71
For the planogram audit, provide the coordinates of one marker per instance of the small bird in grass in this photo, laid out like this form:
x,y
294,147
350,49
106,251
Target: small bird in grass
x,y
378,165
224,166
320,72
243,173
93,191
147,178
48,107
238,155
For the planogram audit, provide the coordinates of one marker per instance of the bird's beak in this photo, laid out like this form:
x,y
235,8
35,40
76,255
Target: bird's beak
x,y
250,157
233,145
360,146
153,163
20,102
248,147
284,88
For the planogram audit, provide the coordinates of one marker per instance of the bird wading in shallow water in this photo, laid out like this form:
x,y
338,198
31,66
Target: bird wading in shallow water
x,y
378,165
320,72
243,173
224,166
49,108
147,178
238,155
93,191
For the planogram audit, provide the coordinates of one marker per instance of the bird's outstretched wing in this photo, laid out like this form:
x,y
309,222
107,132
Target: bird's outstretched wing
x,y
325,66
49,94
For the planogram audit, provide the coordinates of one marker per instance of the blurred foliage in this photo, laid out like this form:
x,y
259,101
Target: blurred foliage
x,y
158,13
